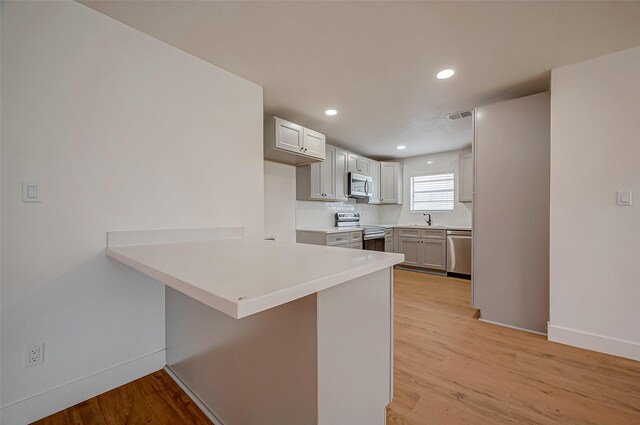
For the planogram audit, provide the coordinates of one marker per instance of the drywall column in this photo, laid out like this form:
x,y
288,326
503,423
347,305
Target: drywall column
x,y
595,244
511,212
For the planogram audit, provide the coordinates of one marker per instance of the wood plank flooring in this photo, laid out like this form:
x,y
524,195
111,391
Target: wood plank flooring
x,y
449,369
152,400
453,369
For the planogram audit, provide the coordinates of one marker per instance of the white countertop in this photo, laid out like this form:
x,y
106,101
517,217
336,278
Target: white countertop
x,y
331,229
424,226
387,226
241,277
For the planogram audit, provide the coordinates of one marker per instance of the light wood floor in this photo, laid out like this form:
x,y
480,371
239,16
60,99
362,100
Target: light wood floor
x,y
453,369
152,400
449,369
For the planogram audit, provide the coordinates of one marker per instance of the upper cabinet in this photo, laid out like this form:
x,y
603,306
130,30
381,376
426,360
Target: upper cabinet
x,y
342,182
465,185
314,144
374,169
359,164
329,180
390,183
317,182
291,143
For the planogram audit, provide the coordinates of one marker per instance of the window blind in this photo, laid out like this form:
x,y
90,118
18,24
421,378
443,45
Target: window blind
x,y
433,192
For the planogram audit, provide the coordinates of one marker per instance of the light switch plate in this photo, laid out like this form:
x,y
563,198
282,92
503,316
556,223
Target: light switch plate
x,y
30,192
625,198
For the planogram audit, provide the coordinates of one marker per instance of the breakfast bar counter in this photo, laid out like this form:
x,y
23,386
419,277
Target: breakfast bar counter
x,y
266,332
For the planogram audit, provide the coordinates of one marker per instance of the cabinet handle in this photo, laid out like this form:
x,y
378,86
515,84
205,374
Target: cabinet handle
x,y
305,149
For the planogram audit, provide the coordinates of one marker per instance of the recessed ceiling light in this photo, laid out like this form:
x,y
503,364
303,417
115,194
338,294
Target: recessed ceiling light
x,y
429,162
330,112
445,73
401,147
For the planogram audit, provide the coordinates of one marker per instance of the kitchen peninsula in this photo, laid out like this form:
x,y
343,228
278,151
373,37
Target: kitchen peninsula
x,y
272,332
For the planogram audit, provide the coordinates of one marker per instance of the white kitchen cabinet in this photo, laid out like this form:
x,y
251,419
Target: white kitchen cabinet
x,y
314,144
342,183
328,173
465,180
390,183
358,164
388,244
410,247
374,168
433,254
424,248
289,136
291,143
317,182
345,239
389,240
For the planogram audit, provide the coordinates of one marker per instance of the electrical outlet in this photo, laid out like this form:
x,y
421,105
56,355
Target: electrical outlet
x,y
35,355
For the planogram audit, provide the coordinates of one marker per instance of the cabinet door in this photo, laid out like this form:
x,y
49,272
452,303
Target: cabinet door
x,y
316,181
328,174
433,254
341,175
314,144
352,164
465,180
388,244
364,165
289,136
375,185
389,176
410,247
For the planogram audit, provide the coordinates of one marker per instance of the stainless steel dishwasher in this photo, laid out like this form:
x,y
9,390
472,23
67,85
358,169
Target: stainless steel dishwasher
x,y
459,251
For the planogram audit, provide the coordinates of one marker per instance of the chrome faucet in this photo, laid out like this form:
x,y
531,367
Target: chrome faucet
x,y
427,218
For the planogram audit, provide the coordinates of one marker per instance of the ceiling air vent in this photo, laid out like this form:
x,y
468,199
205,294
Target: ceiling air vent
x,y
458,115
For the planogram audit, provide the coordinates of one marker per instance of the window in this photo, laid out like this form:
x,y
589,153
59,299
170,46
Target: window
x,y
433,192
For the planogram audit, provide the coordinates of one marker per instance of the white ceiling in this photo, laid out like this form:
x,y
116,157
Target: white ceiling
x,y
375,62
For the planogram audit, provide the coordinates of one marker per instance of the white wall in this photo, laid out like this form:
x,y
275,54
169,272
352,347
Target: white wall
x,y
280,201
595,245
122,132
445,162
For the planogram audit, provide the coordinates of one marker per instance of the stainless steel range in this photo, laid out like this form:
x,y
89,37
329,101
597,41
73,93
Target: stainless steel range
x,y
372,236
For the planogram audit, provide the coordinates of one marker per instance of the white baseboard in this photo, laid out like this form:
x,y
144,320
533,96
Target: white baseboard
x,y
595,342
208,413
512,327
31,409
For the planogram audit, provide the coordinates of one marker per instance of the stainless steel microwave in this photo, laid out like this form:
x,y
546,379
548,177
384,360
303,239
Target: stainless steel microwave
x,y
360,186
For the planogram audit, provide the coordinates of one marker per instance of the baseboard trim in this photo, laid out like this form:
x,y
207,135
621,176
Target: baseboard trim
x,y
512,327
595,342
208,413
39,406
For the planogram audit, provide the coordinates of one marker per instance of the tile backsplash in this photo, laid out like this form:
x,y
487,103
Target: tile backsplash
x,y
310,214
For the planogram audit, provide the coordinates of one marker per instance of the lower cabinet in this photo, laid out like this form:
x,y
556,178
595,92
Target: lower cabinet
x,y
433,254
425,249
388,244
346,239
